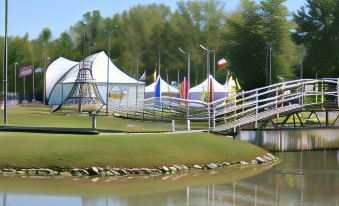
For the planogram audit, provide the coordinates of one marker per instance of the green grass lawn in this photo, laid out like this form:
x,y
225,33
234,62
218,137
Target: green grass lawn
x,y
41,116
26,150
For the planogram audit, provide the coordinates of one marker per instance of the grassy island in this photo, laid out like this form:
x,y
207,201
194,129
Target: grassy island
x,y
38,150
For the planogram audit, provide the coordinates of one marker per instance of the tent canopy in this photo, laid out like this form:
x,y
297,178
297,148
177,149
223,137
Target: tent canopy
x,y
56,71
203,87
62,74
99,71
164,87
201,91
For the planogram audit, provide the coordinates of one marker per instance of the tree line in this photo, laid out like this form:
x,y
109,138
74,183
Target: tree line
x,y
253,38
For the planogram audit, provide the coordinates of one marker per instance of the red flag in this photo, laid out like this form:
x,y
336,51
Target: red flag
x,y
211,90
25,71
222,63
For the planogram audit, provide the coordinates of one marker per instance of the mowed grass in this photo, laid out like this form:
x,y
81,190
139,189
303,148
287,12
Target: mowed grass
x,y
41,116
27,150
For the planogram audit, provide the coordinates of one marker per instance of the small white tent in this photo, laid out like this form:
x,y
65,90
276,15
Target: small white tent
x,y
122,88
200,92
165,89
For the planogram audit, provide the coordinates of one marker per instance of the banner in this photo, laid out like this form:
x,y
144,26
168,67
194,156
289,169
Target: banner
x,y
39,70
25,71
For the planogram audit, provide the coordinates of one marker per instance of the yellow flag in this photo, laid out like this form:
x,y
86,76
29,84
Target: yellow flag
x,y
155,75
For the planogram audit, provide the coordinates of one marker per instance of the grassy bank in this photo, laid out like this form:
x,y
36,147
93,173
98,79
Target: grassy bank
x,y
41,116
27,150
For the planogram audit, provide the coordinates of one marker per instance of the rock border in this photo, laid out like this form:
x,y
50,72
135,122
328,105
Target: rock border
x,y
111,171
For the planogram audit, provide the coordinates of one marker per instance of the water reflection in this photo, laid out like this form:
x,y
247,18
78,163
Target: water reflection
x,y
303,178
293,140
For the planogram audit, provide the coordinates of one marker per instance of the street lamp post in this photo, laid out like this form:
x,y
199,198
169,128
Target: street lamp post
x,y
269,46
137,78
188,75
188,66
15,80
108,33
5,63
90,45
208,51
303,54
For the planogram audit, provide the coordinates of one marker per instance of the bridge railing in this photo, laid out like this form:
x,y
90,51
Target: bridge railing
x,y
241,108
232,111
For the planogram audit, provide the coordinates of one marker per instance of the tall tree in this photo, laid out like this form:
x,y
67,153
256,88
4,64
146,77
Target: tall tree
x,y
318,30
248,33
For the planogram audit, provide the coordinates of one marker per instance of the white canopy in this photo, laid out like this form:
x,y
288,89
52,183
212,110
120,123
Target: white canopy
x,y
203,87
164,87
99,71
62,74
56,71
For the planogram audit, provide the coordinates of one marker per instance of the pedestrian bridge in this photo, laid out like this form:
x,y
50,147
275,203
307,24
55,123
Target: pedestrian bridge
x,y
287,104
298,103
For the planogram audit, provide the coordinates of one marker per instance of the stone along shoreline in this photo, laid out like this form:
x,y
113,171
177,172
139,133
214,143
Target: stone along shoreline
x,y
112,171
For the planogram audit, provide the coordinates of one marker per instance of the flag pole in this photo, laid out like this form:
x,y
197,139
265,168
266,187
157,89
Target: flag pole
x,y
24,88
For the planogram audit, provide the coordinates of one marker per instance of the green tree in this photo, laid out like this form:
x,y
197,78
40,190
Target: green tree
x,y
318,30
249,31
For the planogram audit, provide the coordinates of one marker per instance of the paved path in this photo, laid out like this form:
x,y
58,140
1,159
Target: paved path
x,y
53,130
61,130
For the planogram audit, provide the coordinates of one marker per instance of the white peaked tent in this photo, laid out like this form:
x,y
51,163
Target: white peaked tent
x,y
165,89
200,91
123,89
56,71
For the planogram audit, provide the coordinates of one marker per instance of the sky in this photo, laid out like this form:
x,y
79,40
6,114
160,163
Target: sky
x,y
33,15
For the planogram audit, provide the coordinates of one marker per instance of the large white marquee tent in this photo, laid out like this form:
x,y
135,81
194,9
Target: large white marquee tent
x,y
123,89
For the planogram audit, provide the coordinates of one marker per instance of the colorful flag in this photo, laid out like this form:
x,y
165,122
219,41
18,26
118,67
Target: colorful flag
x,y
143,76
25,71
237,83
222,63
184,89
157,92
211,90
155,75
39,70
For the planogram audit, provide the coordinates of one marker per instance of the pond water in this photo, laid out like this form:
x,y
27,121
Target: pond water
x,y
302,178
292,140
